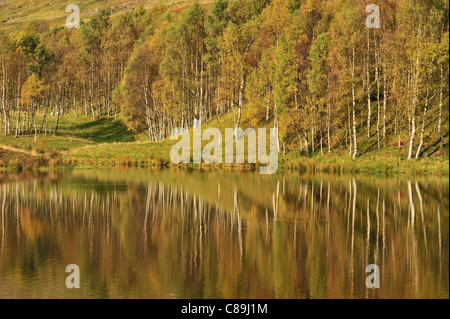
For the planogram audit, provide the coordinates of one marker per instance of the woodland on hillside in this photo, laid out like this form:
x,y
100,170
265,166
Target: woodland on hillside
x,y
310,68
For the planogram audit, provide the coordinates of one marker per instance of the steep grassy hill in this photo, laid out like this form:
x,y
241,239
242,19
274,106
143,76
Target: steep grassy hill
x,y
14,13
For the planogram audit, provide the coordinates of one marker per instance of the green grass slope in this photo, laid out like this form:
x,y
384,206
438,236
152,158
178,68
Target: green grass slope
x,y
105,142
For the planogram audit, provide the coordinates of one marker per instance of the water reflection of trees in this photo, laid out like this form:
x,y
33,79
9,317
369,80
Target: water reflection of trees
x,y
285,237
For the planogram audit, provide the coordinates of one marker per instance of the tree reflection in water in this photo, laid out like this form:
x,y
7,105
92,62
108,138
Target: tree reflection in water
x,y
221,234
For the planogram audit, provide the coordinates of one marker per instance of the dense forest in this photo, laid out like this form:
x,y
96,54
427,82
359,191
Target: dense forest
x,y
310,68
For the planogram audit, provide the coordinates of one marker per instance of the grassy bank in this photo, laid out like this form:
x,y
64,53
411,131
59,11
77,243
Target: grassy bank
x,y
370,163
83,142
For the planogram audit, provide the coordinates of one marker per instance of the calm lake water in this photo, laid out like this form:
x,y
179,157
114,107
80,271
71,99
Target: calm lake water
x,y
222,234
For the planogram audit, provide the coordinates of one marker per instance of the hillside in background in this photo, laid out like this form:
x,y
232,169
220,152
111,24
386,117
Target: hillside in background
x,y
14,13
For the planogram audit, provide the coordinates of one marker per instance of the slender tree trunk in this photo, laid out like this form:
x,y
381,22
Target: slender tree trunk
x,y
107,92
18,102
17,122
412,136
201,91
321,145
328,128
147,105
355,148
275,126
349,132
23,122
415,100
218,111
44,120
408,98
377,79
423,126
441,89
305,136
384,104
396,107
240,97
412,133
57,122
28,122
368,84
4,94
91,93
74,106
35,129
